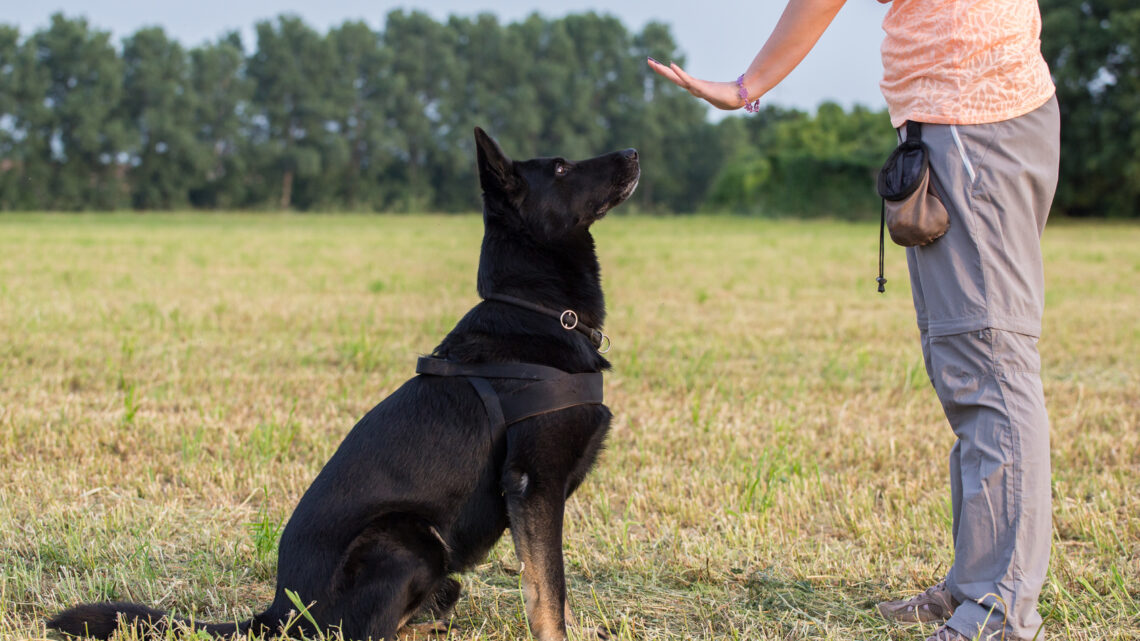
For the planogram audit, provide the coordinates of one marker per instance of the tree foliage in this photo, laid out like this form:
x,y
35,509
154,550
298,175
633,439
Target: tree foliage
x,y
380,120
793,163
64,116
353,118
1093,49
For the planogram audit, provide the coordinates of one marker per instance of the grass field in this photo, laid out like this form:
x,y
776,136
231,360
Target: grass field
x,y
169,385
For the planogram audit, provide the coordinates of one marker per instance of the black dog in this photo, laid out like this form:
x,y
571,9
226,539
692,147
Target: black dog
x,y
500,427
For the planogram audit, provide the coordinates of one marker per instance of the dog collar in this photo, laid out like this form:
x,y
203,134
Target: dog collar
x,y
568,318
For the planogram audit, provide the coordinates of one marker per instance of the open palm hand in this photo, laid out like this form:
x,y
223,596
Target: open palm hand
x,y
722,95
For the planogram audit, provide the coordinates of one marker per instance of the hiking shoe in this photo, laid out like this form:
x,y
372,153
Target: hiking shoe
x,y
946,633
989,633
932,606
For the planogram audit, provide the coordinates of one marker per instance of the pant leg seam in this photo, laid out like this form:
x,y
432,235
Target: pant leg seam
x,y
972,195
1015,480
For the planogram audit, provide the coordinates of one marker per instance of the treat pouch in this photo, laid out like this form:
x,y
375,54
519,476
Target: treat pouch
x,y
912,211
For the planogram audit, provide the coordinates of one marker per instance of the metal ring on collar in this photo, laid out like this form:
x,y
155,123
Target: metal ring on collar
x,y
569,319
605,345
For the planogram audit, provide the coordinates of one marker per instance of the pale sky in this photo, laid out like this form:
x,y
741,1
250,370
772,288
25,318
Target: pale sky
x,y
718,42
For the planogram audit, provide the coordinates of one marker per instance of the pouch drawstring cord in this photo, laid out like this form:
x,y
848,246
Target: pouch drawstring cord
x,y
882,225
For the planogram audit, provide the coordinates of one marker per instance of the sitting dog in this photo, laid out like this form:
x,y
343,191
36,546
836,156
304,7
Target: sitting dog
x,y
499,427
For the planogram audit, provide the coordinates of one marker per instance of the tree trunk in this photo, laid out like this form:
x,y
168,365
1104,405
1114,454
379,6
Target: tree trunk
x,y
287,189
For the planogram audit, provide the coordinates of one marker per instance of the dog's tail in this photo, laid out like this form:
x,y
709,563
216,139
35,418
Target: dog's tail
x,y
101,620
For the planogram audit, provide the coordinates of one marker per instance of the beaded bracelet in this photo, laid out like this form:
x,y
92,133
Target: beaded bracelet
x,y
750,107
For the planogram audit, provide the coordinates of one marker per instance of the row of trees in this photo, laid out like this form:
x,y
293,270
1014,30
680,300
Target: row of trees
x,y
349,119
360,119
1093,49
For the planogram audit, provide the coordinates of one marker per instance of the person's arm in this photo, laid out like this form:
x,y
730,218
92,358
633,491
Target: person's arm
x,y
799,28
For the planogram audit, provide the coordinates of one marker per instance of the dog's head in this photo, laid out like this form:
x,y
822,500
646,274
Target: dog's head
x,y
552,198
536,225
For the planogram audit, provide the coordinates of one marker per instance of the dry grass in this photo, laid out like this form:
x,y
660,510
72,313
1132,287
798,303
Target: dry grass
x,y
169,385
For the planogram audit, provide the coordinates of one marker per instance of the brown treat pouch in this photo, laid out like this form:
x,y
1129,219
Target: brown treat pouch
x,y
913,213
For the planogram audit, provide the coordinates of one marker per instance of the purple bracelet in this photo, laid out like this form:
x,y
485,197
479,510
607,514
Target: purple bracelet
x,y
750,107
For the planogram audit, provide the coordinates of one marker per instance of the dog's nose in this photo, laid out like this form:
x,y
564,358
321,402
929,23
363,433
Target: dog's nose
x,y
630,153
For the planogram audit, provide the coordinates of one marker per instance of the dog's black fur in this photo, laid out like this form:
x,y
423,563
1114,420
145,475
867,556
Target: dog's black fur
x,y
424,484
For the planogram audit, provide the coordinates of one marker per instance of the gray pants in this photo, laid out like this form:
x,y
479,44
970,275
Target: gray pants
x,y
979,294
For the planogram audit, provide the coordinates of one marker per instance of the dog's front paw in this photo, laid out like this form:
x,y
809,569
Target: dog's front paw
x,y
588,633
420,631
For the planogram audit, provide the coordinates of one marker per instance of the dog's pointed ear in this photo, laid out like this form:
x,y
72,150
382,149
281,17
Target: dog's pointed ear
x,y
496,170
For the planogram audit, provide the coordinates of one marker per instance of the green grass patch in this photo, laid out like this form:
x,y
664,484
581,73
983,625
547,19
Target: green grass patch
x,y
170,385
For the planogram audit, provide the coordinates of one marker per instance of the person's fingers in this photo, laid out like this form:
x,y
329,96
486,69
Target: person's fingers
x,y
685,78
660,67
719,94
689,81
696,86
662,70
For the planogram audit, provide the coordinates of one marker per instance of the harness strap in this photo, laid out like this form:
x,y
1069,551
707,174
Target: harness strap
x,y
526,371
543,397
490,399
551,390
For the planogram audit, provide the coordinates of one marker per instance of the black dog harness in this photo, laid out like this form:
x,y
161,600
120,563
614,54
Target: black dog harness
x,y
549,390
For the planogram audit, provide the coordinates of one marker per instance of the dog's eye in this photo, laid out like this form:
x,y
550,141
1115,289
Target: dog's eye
x,y
561,169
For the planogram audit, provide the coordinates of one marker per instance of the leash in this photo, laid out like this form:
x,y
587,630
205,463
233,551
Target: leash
x,y
567,318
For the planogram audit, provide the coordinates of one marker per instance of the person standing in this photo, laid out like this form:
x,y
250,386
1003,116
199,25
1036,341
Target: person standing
x,y
971,72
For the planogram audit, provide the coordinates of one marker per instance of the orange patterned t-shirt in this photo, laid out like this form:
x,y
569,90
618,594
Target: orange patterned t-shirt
x,y
963,62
